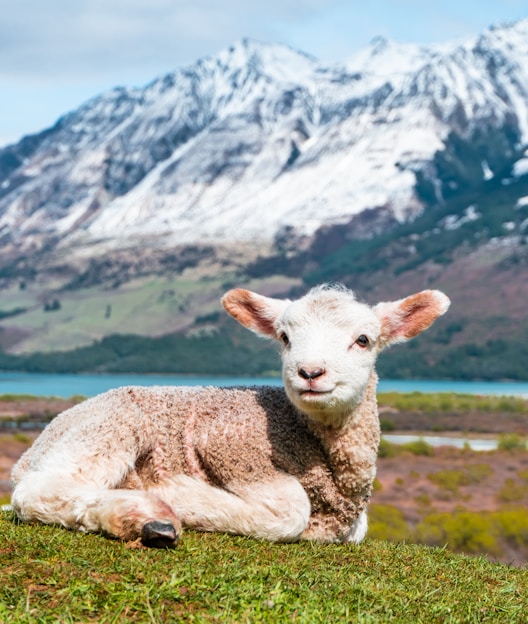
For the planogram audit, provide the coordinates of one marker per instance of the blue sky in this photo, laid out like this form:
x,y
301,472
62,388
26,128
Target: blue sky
x,y
55,55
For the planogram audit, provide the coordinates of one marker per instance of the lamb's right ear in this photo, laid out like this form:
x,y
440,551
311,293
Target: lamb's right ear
x,y
254,311
406,318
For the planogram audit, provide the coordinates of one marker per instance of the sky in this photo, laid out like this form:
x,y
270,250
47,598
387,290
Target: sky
x,y
57,54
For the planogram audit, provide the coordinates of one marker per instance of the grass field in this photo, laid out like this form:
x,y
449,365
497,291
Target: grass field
x,y
48,574
143,306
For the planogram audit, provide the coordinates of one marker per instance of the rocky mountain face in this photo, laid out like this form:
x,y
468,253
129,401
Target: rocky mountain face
x,y
260,139
400,168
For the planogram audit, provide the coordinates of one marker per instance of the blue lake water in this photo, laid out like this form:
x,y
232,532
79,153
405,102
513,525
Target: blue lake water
x,y
40,384
475,444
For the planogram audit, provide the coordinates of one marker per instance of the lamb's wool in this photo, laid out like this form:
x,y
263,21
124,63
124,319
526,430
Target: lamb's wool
x,y
220,436
279,464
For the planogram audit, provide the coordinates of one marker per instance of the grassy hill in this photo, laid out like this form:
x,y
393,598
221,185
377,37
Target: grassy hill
x,y
49,574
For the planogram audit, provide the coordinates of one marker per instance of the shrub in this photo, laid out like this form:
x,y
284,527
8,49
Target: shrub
x,y
476,473
387,522
513,526
387,425
462,531
511,442
423,500
419,447
22,437
388,449
512,492
523,474
452,480
449,480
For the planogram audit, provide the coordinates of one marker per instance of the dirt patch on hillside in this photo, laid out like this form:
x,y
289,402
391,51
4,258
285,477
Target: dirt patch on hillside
x,y
451,479
445,422
36,411
21,421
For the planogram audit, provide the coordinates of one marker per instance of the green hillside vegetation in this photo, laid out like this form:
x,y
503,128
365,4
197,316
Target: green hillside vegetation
x,y
470,532
227,350
452,402
49,574
163,314
236,352
217,353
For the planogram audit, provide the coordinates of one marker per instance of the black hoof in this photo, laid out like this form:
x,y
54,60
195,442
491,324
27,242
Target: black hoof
x,y
158,534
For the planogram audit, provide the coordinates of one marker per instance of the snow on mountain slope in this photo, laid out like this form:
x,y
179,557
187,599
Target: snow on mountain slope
x,y
257,138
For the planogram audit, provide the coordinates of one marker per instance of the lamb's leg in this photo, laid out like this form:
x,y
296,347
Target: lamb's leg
x,y
359,529
277,510
125,514
327,528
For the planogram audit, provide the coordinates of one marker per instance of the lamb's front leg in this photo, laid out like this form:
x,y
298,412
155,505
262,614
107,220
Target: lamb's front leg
x,y
327,528
277,510
126,514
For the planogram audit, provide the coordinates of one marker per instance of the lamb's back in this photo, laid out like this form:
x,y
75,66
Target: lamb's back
x,y
217,434
223,435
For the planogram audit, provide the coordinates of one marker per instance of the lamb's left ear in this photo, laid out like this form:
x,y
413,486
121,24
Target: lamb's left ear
x,y
254,311
406,318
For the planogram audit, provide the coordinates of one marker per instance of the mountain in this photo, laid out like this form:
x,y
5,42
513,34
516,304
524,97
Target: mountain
x,y
401,167
259,138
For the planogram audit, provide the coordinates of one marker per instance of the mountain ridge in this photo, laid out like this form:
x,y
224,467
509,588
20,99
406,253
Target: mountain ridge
x,y
258,138
123,224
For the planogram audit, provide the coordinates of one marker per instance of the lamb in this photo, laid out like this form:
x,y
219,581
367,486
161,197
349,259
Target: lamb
x,y
280,464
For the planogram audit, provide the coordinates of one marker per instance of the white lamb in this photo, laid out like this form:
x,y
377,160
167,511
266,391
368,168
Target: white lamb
x,y
140,463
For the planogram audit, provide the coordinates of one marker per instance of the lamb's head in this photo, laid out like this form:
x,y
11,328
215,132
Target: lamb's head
x,y
330,340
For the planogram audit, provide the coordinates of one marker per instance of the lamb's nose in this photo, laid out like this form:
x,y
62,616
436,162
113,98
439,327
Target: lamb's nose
x,y
312,373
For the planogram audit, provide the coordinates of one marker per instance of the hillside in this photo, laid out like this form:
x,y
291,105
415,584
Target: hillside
x,y
473,247
49,574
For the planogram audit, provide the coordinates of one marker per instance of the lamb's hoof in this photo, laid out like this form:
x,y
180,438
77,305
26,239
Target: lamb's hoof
x,y
158,534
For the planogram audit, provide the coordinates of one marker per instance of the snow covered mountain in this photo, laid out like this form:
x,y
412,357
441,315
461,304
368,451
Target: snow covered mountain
x,y
261,138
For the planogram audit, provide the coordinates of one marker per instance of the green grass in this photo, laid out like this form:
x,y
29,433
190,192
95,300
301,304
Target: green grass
x,y
10,397
452,402
49,574
148,305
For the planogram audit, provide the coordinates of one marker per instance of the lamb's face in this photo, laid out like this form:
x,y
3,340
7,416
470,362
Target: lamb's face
x,y
330,343
330,340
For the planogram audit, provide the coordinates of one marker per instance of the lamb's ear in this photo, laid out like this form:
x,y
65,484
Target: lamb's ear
x,y
254,311
406,318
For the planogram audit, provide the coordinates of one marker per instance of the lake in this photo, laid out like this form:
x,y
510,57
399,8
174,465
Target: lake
x,y
41,384
475,444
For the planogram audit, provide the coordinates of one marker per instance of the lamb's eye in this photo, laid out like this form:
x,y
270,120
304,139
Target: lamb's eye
x,y
362,341
283,337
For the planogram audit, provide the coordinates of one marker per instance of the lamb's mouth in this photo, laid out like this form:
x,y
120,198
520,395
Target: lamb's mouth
x,y
314,392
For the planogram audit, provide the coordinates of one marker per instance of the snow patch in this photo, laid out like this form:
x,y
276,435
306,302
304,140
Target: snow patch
x,y
520,168
487,173
454,222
